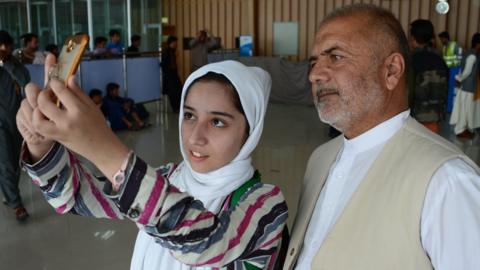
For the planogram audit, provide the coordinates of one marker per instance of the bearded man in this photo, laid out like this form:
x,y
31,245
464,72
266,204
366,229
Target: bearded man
x,y
389,193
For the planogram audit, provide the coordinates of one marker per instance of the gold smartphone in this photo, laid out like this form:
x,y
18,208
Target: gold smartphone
x,y
69,58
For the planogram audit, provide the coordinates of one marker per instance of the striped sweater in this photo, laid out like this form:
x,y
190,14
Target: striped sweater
x,y
244,235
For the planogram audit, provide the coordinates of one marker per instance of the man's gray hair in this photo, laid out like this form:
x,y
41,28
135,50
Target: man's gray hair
x,y
389,34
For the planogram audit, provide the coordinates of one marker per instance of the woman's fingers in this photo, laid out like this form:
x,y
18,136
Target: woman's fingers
x,y
60,123
77,91
48,107
69,100
25,125
50,61
43,126
24,116
31,92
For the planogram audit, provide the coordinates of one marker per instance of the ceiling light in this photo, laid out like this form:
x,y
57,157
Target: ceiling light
x,y
442,7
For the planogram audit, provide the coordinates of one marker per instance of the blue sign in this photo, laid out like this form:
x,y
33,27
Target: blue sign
x,y
246,46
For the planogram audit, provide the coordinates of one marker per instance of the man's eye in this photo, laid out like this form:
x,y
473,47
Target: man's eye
x,y
218,123
335,57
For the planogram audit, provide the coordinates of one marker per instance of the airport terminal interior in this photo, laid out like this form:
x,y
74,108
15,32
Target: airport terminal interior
x,y
275,35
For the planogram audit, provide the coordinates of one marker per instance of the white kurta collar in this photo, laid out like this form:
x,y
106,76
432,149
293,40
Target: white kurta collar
x,y
377,135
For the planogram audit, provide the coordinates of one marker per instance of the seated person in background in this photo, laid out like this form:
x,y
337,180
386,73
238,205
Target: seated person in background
x,y
134,49
120,111
29,53
138,108
134,115
97,98
99,48
115,46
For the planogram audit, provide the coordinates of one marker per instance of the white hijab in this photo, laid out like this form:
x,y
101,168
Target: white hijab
x,y
253,87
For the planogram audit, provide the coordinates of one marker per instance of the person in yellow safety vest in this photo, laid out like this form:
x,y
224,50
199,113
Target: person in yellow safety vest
x,y
452,55
451,52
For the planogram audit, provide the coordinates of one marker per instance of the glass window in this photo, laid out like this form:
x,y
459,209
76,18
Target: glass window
x,y
146,22
108,15
13,19
42,21
68,17
72,18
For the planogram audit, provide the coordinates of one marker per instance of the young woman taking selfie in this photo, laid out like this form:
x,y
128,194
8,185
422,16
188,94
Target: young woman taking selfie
x,y
210,211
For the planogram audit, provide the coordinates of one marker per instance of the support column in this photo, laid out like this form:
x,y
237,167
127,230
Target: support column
x,y
29,16
90,23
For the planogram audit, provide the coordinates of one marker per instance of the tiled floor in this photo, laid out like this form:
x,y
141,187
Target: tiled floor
x,y
48,241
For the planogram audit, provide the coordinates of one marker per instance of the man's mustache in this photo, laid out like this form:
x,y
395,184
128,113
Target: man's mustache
x,y
323,90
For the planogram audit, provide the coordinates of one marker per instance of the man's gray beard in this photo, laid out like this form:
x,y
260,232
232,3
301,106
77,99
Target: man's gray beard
x,y
335,121
319,107
329,121
343,118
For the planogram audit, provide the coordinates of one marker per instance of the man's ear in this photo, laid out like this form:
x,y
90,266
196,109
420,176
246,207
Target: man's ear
x,y
394,69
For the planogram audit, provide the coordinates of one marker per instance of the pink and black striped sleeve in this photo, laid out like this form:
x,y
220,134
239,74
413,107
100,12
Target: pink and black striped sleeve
x,y
250,231
67,185
240,237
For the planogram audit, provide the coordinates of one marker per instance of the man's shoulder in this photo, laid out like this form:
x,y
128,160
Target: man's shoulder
x,y
428,60
331,146
427,148
424,144
421,55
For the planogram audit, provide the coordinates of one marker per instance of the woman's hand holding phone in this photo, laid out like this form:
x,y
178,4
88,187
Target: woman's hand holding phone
x,y
67,65
78,124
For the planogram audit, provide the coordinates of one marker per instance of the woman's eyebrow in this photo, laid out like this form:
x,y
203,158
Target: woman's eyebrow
x,y
188,108
222,114
211,112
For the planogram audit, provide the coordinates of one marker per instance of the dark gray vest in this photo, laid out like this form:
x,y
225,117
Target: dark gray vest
x,y
470,83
